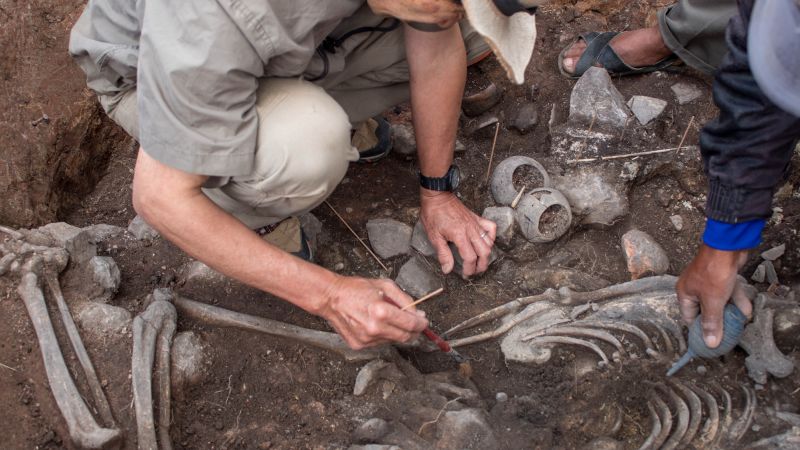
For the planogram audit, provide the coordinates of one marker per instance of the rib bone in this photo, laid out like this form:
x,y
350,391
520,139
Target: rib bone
x,y
683,418
622,326
727,418
709,432
224,317
571,341
155,326
695,412
665,416
578,331
742,424
655,429
83,429
664,335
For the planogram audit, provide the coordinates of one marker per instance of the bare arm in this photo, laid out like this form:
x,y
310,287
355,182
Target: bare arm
x,y
171,201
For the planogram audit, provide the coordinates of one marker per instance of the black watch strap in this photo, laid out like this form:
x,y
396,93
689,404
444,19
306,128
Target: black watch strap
x,y
442,184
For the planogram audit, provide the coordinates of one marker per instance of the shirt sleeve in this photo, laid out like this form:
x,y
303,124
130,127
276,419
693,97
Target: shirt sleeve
x,y
733,236
197,82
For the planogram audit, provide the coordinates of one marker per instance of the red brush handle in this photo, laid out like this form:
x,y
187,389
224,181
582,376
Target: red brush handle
x,y
435,338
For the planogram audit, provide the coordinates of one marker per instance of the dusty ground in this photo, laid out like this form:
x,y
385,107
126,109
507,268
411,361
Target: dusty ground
x,y
270,393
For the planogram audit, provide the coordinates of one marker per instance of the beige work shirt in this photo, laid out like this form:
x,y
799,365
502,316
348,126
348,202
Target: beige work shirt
x,y
196,64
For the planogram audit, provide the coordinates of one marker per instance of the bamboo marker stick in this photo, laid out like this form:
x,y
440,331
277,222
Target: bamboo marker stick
x,y
357,236
423,298
491,155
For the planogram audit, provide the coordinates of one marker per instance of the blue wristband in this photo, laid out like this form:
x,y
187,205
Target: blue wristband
x,y
733,236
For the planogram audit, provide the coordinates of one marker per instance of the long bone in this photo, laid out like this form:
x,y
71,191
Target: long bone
x,y
152,330
227,318
727,417
83,429
565,296
571,341
682,424
664,416
502,329
622,326
711,427
655,429
758,342
695,412
100,400
566,330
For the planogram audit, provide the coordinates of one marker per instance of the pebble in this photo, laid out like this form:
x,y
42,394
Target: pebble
x,y
595,99
339,266
756,428
772,276
188,357
368,375
501,397
702,370
643,254
101,320
646,108
416,278
141,230
759,387
373,430
465,429
760,274
685,93
106,277
774,253
389,237
405,142
677,222
526,119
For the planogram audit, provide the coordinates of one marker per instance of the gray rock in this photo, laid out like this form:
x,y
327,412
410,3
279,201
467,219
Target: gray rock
x,y
106,277
198,272
774,253
313,229
501,397
372,430
416,278
389,237
141,230
677,222
594,195
685,93
702,370
460,147
420,241
526,119
772,275
188,359
101,320
787,321
477,104
644,255
74,240
368,375
101,231
465,429
405,142
503,216
595,99
646,108
459,261
757,340
760,274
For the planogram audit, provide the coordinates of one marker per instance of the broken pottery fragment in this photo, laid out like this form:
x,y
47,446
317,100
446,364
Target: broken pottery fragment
x,y
644,255
544,215
389,237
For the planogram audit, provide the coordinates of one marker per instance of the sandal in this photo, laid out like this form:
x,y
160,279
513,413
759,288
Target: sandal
x,y
599,52
373,139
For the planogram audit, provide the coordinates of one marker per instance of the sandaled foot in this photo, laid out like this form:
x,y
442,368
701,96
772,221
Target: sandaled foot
x,y
373,139
289,236
626,53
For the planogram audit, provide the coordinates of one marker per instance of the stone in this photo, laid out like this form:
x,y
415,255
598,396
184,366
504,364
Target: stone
x,y
501,397
646,108
774,253
760,274
772,275
141,230
188,360
460,147
459,262
593,196
663,197
198,272
603,443
595,99
101,320
702,370
643,255
503,216
372,430
420,241
106,277
74,240
685,93
526,119
405,142
478,103
677,222
100,232
368,375
416,278
465,429
388,237
313,229
479,123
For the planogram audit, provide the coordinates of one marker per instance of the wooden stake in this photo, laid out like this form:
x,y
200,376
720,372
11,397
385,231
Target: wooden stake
x,y
357,236
7,367
680,144
491,155
518,197
423,298
627,155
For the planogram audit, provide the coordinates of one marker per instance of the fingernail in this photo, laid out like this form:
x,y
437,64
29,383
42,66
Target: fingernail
x,y
711,340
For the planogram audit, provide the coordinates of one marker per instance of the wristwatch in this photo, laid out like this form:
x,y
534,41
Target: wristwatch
x,y
447,183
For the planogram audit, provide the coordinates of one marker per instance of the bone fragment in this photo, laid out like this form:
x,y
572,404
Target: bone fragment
x,y
83,429
682,424
742,424
151,330
665,417
709,432
695,412
668,347
578,331
727,418
502,329
100,400
5,263
571,341
626,327
655,428
758,342
12,232
328,341
566,297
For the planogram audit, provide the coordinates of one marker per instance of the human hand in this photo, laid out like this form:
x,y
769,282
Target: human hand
x,y
706,286
446,219
444,13
356,309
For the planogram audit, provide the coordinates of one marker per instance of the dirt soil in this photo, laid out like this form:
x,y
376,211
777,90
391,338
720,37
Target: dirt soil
x,y
262,392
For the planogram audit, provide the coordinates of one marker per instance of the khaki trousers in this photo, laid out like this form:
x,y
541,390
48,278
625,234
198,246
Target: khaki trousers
x,y
695,31
303,145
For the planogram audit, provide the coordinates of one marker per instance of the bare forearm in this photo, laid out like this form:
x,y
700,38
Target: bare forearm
x,y
438,71
191,221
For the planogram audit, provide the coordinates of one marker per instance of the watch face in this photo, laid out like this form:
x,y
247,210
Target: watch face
x,y
455,177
